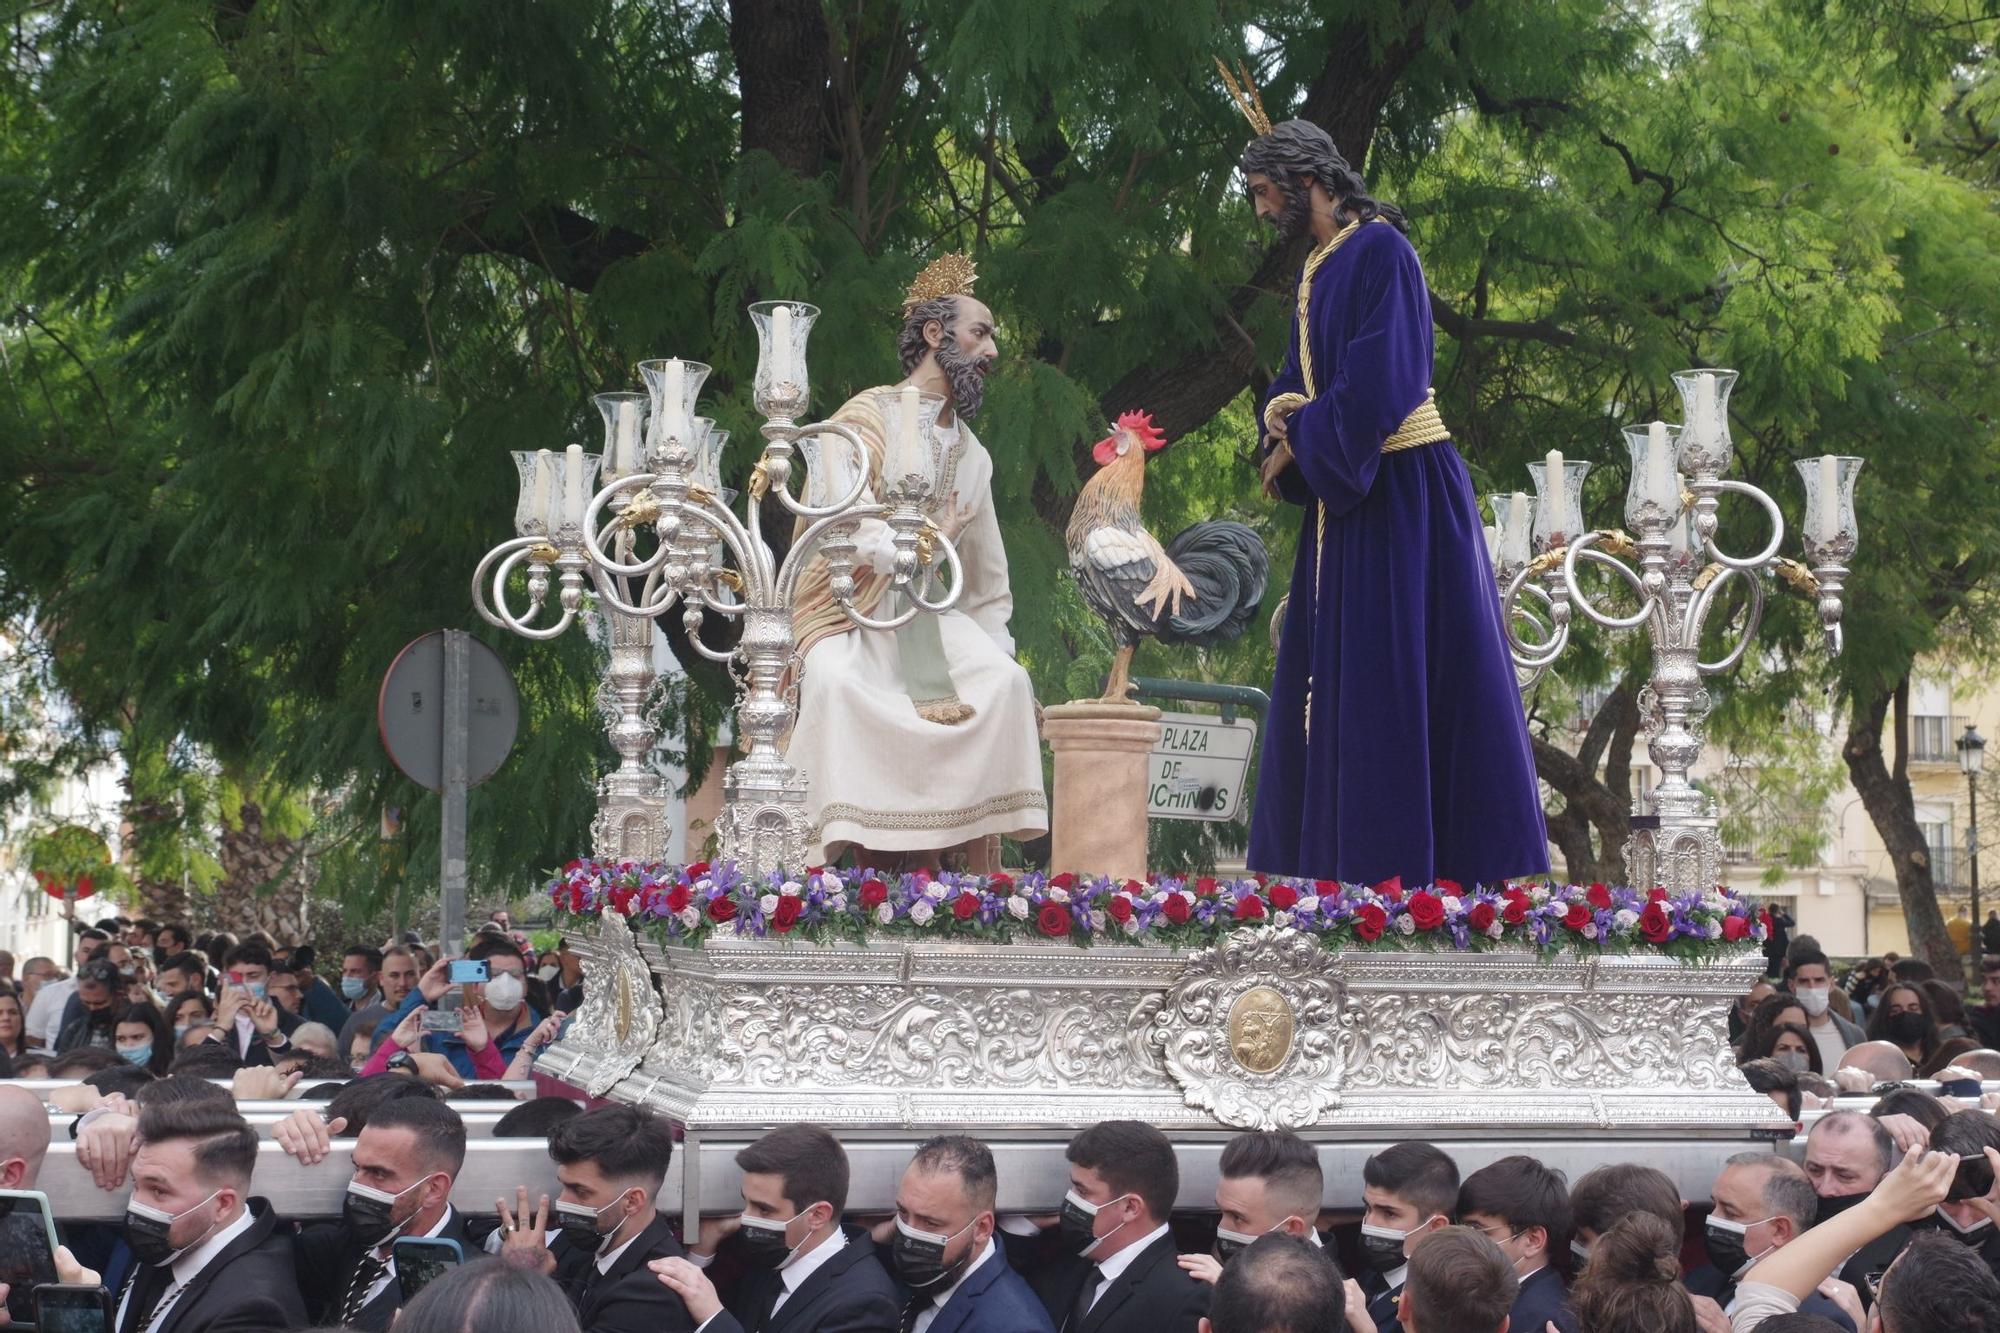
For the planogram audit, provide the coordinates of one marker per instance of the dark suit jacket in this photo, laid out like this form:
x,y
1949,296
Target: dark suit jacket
x,y
1874,1257
993,1299
1542,1300
849,1293
327,1257
1153,1295
1709,1281
1382,1302
629,1298
251,1287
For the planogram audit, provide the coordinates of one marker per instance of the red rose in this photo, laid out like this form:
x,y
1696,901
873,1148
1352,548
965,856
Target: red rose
x,y
874,893
1000,883
1734,928
787,914
1053,920
722,908
965,906
1655,894
576,897
1600,897
571,865
1391,888
1451,887
1480,918
1132,886
678,897
1577,917
1283,897
1119,907
1176,909
1370,921
1655,924
1063,881
621,900
1427,910
1205,886
1326,888
1516,910
697,870
1249,908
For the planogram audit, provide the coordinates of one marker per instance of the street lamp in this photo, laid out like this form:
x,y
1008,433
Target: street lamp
x,y
1971,757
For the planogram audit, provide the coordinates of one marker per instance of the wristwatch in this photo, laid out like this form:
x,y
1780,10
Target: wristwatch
x,y
403,1062
276,1039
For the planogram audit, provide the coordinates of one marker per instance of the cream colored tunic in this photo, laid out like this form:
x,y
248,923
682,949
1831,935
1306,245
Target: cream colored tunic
x,y
881,776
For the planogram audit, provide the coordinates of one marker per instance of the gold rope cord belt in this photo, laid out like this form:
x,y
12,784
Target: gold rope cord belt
x,y
1423,425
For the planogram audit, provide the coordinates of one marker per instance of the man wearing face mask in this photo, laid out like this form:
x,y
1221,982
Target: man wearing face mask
x,y
208,1255
1763,1202
945,1251
501,999
1847,1154
807,1272
611,1162
1123,1276
1411,1190
1810,978
1269,1181
257,1028
1968,1134
1523,1207
405,1159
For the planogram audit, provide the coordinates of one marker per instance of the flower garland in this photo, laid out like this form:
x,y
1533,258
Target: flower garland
x,y
688,904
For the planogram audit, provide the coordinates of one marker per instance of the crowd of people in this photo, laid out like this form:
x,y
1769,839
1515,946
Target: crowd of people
x,y
1886,1222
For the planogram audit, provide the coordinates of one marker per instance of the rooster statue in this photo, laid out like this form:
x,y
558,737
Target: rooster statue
x,y
1202,589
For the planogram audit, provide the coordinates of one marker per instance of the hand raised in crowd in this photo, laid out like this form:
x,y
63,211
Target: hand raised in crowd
x,y
1357,1308
1847,1298
435,1070
1708,1316
305,1135
1916,1186
436,983
524,1242
691,1285
1990,1204
1908,1132
1849,1079
1205,1267
105,1147
262,1083
230,1005
263,1016
410,1032
474,1030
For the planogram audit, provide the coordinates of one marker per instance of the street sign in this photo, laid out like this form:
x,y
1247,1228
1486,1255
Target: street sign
x,y
1199,767
411,712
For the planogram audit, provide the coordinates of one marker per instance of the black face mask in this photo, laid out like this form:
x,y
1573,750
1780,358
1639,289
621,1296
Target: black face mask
x,y
1832,1205
370,1213
764,1241
1382,1248
579,1224
918,1257
1906,1028
148,1232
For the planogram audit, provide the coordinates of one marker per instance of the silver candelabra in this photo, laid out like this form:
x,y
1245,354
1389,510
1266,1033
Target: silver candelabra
x,y
1671,503
661,531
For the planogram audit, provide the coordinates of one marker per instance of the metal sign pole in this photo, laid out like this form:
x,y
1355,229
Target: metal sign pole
x,y
457,722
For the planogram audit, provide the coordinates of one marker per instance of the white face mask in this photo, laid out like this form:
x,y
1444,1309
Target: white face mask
x,y
1952,1222
1812,999
504,992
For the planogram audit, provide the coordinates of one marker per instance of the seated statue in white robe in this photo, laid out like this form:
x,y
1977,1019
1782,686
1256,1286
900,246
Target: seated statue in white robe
x,y
921,741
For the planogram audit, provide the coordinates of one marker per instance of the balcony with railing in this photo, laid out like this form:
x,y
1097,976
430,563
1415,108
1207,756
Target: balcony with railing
x,y
1934,738
1762,841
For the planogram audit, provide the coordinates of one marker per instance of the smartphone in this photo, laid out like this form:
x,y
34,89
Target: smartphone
x,y
467,971
420,1261
62,1308
27,1250
443,1020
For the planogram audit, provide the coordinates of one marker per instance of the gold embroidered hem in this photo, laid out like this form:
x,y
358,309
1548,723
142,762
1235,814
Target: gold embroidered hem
x,y
1019,815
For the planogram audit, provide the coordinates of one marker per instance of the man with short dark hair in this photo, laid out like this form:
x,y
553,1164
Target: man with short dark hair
x,y
503,1016
1459,1280
1523,1207
612,1162
254,1026
360,973
1938,1286
395,977
1411,1190
1763,1202
1969,1134
405,1160
50,1013
99,992
1809,976
1269,1181
807,1272
1123,1276
181,974
1607,1193
172,938
1847,1154
209,1256
1279,1283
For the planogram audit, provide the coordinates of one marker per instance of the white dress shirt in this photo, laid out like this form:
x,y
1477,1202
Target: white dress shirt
x,y
44,1020
924,1320
793,1275
187,1268
1110,1269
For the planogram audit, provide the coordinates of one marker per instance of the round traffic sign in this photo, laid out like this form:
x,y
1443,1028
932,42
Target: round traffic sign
x,y
411,714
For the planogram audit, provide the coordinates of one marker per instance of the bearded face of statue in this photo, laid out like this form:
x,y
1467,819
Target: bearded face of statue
x,y
1283,201
958,331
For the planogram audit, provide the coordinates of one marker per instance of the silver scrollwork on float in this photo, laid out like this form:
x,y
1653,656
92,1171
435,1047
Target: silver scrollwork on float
x,y
1265,1029
619,1019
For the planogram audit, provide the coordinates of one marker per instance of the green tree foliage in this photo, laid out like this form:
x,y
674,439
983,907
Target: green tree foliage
x,y
283,283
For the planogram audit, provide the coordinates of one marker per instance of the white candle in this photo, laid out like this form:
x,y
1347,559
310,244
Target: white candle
x,y
1552,492
543,462
1829,499
906,441
1516,530
573,496
1703,424
1660,487
625,452
676,391
1680,537
1492,543
781,344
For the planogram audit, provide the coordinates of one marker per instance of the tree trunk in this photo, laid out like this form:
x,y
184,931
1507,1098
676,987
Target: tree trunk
x,y
782,51
265,879
1886,796
1593,804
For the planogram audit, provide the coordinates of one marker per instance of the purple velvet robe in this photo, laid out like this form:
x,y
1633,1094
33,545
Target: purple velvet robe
x,y
1417,763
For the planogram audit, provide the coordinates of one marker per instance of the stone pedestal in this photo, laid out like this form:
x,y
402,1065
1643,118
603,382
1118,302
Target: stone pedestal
x,y
1098,822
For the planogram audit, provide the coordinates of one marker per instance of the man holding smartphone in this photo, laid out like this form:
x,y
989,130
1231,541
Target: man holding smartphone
x,y
255,1027
501,1001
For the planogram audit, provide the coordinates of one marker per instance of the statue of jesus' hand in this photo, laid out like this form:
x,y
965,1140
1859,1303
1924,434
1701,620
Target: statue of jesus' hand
x,y
1275,463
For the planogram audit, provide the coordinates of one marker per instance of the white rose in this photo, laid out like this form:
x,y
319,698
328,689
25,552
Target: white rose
x,y
690,917
1021,889
791,888
934,891
1453,906
768,904
1131,925
1406,924
704,884
1539,894
1017,908
1058,895
1590,931
1157,897
921,911
1714,930
1281,918
1624,919
1307,905
1497,929
885,913
837,903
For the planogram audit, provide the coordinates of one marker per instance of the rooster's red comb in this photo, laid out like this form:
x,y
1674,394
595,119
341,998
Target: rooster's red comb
x,y
1142,427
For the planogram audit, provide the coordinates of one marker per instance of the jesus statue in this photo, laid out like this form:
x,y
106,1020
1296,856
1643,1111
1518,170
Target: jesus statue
x,y
1396,745
920,742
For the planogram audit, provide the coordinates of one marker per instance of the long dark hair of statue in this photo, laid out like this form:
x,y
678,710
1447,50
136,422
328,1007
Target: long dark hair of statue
x,y
1295,149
